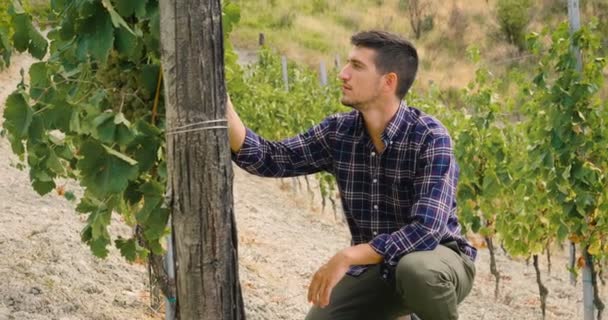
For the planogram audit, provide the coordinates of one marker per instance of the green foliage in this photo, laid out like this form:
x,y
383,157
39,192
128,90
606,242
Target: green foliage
x,y
18,32
571,131
89,113
513,17
533,163
274,113
6,34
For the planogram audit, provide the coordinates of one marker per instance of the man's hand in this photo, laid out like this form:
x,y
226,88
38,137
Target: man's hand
x,y
326,278
236,129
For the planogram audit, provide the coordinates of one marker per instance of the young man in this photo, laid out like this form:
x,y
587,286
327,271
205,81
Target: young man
x,y
397,176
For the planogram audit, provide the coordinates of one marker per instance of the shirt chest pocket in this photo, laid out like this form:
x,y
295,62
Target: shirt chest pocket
x,y
400,192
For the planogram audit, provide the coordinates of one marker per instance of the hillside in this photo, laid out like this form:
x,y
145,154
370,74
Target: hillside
x,y
319,30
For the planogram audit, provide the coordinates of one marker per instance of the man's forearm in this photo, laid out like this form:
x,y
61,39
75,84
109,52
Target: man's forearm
x,y
361,254
236,128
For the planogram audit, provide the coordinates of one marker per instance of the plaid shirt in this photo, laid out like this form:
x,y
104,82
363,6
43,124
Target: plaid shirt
x,y
399,201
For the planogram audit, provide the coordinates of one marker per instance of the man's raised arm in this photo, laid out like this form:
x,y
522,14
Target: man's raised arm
x,y
236,128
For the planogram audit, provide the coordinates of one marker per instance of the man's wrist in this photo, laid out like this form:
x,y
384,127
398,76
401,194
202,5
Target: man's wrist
x,y
360,254
346,256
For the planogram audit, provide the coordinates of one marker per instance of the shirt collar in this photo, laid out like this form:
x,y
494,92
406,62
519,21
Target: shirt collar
x,y
398,124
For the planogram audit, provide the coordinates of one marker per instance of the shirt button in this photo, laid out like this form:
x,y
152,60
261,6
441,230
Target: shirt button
x,y
375,180
384,276
375,233
390,142
376,206
373,153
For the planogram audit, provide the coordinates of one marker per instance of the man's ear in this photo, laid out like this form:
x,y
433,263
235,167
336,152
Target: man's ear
x,y
390,80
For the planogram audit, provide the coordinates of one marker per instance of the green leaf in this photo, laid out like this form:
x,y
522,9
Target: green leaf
x,y
105,128
132,194
140,8
99,221
66,31
128,248
5,47
58,5
86,234
124,135
476,224
99,247
88,204
146,145
128,44
70,196
38,44
75,122
162,170
40,173
156,224
21,25
152,38
102,118
26,37
57,116
120,119
231,14
128,8
103,172
107,132
88,8
36,130
120,155
153,197
17,115
117,20
43,187
53,163
149,77
38,79
101,40
156,247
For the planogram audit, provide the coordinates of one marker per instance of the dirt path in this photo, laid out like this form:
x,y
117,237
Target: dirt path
x,y
46,273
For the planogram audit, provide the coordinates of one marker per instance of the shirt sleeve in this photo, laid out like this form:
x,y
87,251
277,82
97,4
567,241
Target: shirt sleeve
x,y
306,153
434,187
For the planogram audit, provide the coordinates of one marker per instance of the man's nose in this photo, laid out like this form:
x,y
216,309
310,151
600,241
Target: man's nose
x,y
343,75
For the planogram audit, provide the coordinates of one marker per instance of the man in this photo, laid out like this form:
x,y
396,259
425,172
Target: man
x,y
397,177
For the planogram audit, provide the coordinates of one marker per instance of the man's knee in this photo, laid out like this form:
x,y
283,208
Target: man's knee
x,y
419,271
426,287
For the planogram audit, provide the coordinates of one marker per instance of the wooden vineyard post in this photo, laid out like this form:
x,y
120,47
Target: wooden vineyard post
x,y
199,168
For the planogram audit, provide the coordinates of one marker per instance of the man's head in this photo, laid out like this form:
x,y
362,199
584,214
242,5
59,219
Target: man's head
x,y
380,64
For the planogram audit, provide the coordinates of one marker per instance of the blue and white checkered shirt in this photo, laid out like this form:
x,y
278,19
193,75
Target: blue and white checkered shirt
x,y
399,201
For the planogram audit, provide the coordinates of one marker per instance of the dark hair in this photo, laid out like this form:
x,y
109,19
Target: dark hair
x,y
393,54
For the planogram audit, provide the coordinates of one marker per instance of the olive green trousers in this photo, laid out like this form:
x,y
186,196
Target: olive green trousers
x,y
429,284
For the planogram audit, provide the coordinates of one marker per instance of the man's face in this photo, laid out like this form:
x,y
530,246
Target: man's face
x,y
361,81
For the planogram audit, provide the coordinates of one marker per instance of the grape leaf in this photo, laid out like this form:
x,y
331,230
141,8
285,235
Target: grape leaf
x,y
18,115
104,173
128,248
